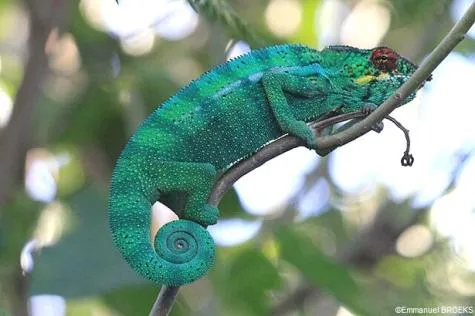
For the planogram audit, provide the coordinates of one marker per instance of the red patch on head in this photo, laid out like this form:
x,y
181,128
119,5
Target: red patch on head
x,y
384,59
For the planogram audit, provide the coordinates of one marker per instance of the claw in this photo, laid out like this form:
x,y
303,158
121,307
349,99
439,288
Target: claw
x,y
367,108
378,127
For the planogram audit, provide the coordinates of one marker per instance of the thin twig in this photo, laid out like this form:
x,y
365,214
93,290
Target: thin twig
x,y
165,300
168,294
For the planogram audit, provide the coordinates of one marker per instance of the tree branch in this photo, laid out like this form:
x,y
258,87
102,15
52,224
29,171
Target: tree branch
x,y
15,138
167,295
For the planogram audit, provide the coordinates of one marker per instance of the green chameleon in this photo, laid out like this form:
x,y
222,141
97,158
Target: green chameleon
x,y
220,118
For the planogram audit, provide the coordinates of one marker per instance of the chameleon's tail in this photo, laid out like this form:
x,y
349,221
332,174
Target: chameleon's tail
x,y
183,250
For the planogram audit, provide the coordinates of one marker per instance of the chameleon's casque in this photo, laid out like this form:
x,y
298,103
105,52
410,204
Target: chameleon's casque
x,y
220,118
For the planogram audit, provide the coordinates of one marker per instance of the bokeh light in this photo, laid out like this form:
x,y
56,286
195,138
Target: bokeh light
x,y
137,22
366,24
236,49
266,188
231,232
414,241
138,44
283,17
64,54
6,108
51,224
51,305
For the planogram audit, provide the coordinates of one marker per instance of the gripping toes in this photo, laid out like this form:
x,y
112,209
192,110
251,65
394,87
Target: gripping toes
x,y
205,214
305,133
209,215
378,127
367,109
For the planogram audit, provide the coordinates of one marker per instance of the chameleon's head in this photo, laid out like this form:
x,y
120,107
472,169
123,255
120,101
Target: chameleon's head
x,y
375,73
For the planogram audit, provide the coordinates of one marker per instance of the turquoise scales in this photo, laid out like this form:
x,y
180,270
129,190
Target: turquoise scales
x,y
224,116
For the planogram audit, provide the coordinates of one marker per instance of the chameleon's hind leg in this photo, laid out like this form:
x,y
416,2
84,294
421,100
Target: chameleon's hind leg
x,y
196,180
367,108
328,130
184,249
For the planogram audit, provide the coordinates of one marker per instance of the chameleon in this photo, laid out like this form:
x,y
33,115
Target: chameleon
x,y
224,116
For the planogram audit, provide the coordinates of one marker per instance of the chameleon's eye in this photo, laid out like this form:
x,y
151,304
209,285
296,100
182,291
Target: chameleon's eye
x,y
384,59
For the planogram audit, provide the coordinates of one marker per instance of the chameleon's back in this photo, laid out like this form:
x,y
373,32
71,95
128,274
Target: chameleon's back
x,y
224,115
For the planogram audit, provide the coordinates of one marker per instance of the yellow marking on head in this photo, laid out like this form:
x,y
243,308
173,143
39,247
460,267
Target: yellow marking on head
x,y
365,79
368,78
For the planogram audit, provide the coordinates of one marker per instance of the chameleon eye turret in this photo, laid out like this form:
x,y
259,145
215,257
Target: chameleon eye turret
x,y
384,59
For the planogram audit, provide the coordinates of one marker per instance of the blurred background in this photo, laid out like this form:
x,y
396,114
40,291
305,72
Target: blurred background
x,y
353,233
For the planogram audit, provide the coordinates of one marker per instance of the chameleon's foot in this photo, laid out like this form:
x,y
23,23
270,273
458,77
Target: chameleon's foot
x,y
187,251
323,152
205,215
378,127
304,132
367,109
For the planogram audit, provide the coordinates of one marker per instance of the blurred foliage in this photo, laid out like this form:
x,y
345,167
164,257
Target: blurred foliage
x,y
90,113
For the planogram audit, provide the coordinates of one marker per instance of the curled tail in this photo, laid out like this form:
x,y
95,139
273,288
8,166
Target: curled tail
x,y
182,250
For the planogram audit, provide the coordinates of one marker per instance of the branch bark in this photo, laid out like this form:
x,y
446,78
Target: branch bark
x,y
168,294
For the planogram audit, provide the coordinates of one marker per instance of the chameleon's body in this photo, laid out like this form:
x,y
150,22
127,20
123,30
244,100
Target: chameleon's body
x,y
224,116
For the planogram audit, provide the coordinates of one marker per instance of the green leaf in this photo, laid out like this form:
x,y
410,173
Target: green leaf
x,y
84,262
319,270
328,228
249,276
231,207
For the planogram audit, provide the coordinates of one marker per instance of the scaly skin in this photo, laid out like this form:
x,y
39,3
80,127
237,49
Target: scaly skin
x,y
222,117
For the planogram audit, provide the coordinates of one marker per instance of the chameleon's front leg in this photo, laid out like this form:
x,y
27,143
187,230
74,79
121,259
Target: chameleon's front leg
x,y
274,85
